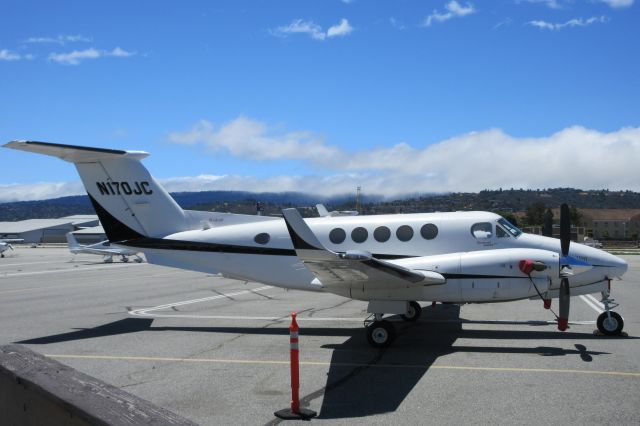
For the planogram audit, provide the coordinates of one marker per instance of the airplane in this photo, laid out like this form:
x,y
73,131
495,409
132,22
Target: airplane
x,y
323,212
391,261
103,248
5,244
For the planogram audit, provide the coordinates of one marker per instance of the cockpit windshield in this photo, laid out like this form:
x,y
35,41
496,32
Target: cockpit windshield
x,y
512,229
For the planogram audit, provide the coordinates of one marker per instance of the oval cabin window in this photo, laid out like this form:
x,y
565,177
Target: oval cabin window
x,y
404,233
429,231
359,235
382,234
337,235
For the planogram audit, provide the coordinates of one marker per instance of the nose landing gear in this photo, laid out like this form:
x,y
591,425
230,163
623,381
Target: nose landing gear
x,y
609,323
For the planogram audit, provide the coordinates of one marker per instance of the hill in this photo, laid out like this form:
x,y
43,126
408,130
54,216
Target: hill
x,y
510,200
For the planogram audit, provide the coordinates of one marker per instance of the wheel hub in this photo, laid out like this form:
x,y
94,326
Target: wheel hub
x,y
380,335
610,323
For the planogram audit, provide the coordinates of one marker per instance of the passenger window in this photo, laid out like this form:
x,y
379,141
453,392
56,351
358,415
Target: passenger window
x,y
429,231
382,234
337,235
262,238
359,235
481,230
404,233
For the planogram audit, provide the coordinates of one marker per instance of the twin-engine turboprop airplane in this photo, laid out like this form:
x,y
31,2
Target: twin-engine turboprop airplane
x,y
103,248
391,261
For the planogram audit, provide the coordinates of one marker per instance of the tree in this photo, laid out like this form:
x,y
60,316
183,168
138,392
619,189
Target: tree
x,y
548,224
575,215
534,214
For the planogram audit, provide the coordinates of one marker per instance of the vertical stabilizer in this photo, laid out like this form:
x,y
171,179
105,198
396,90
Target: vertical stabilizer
x,y
128,200
71,240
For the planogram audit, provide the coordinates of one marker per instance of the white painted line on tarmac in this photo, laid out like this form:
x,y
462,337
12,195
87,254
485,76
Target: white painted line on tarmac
x,y
60,271
595,301
151,312
144,312
6,265
595,306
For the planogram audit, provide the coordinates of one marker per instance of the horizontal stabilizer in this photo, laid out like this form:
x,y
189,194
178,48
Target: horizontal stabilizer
x,y
74,154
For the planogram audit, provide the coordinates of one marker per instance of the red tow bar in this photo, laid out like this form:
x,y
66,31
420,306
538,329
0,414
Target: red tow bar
x,y
295,412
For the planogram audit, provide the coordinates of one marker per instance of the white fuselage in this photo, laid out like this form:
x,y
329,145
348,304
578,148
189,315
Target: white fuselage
x,y
478,255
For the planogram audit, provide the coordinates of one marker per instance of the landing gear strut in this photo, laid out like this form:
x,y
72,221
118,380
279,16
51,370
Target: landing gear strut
x,y
609,323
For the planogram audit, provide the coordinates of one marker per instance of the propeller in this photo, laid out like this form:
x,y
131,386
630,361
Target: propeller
x,y
565,268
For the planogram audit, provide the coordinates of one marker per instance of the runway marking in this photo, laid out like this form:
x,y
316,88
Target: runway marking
x,y
85,284
144,312
593,303
28,263
330,364
58,271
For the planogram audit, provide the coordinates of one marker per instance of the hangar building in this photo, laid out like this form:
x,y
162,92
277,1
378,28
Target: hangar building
x,y
34,231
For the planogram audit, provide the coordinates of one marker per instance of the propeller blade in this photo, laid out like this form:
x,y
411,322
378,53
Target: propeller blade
x,y
565,297
565,229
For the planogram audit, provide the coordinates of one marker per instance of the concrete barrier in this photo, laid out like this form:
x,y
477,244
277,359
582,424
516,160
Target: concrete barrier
x,y
36,390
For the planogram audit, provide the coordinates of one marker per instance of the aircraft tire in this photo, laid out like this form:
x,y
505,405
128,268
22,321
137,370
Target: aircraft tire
x,y
380,334
414,312
610,326
125,259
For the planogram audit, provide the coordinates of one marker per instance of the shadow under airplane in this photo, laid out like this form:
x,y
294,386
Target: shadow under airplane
x,y
363,381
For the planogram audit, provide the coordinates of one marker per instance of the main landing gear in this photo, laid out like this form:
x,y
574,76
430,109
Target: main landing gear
x,y
609,323
380,333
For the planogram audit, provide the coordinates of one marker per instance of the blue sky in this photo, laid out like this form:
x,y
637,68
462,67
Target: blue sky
x,y
321,96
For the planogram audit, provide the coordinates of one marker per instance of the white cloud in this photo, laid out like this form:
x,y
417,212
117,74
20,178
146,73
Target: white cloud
x,y
340,30
60,39
575,22
397,24
616,4
39,191
553,4
313,30
573,157
76,56
470,162
246,138
8,55
453,10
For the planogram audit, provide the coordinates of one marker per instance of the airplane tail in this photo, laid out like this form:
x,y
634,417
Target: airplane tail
x,y
72,242
128,200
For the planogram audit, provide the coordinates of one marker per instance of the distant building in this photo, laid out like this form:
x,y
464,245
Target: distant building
x,y
613,223
46,230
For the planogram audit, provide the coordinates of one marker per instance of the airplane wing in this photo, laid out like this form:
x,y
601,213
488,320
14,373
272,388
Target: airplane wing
x,y
351,267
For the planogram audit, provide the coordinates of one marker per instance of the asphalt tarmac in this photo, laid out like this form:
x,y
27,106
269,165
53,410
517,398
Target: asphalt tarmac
x,y
216,350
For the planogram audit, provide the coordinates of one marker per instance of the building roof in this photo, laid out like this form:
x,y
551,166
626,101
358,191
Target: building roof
x,y
31,225
610,214
79,219
94,230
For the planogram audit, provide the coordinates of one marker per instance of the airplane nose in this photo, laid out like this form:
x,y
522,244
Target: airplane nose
x,y
620,266
616,267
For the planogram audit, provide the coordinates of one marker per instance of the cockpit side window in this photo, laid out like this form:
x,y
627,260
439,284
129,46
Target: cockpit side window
x,y
481,231
511,228
501,233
